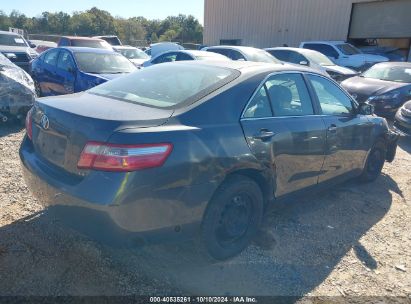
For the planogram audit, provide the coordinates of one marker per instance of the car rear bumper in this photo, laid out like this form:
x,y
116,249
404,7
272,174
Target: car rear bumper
x,y
177,211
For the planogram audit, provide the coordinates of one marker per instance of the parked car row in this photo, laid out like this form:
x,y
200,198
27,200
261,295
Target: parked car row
x,y
67,70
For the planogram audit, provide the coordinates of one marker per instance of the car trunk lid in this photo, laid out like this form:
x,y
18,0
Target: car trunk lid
x,y
63,125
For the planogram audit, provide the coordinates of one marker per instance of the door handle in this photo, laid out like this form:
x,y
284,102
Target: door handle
x,y
264,134
332,129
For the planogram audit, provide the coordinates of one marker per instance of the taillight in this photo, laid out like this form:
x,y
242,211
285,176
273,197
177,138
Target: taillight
x,y
29,124
123,158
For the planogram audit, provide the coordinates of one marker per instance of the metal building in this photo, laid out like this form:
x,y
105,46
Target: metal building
x,y
268,23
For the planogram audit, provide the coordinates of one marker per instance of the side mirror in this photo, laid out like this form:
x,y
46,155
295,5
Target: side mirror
x,y
304,63
71,70
366,109
32,45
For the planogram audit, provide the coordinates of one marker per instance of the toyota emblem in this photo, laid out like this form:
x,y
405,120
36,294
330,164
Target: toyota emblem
x,y
44,122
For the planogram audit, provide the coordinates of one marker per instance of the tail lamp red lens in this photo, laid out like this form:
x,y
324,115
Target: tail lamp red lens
x,y
123,158
29,124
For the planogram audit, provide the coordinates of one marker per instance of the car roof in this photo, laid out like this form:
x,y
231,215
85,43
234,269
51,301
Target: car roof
x,y
298,50
124,47
9,33
77,49
106,36
81,38
395,64
250,66
232,47
332,42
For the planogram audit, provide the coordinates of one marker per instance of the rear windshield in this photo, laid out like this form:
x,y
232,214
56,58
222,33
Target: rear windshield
x,y
90,43
167,85
390,73
96,63
12,40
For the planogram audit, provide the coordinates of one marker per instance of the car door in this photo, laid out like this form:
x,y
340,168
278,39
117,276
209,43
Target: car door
x,y
47,80
284,133
349,134
65,73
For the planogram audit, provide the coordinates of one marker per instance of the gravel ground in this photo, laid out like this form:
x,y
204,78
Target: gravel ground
x,y
353,240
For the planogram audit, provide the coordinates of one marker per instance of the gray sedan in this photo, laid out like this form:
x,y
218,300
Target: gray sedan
x,y
198,149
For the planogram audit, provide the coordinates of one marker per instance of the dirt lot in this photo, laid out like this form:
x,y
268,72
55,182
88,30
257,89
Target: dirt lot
x,y
353,240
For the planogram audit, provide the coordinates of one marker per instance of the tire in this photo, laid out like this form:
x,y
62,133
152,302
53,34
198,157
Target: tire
x,y
232,218
375,162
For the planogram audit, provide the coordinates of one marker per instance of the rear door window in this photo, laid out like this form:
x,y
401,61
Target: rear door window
x,y
183,57
169,57
289,95
235,55
259,106
332,99
282,55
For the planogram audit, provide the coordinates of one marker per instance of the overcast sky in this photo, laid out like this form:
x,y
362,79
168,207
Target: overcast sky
x,y
151,9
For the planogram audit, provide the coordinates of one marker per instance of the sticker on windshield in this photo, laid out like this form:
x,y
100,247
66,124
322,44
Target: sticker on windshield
x,y
18,40
408,71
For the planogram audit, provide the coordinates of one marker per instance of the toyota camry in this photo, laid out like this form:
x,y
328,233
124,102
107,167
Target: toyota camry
x,y
199,148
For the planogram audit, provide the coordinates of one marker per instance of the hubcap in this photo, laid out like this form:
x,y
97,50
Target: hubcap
x,y
235,219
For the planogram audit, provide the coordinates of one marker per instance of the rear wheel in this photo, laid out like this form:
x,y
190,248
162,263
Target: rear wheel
x,y
232,218
375,163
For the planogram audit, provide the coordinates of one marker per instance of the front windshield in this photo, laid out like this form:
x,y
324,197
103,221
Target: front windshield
x,y
166,85
318,58
103,63
261,56
12,40
348,49
133,54
389,73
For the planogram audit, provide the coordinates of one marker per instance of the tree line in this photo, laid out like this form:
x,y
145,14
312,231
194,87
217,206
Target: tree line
x,y
93,22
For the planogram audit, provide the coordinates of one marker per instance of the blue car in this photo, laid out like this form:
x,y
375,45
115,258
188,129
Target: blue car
x,y
68,70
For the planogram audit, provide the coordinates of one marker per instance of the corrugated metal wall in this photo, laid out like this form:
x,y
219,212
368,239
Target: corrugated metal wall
x,y
267,23
390,19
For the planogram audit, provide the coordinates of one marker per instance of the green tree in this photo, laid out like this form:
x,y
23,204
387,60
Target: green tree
x,y
154,38
95,22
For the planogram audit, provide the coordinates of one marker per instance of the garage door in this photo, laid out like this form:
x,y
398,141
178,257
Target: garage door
x,y
385,19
